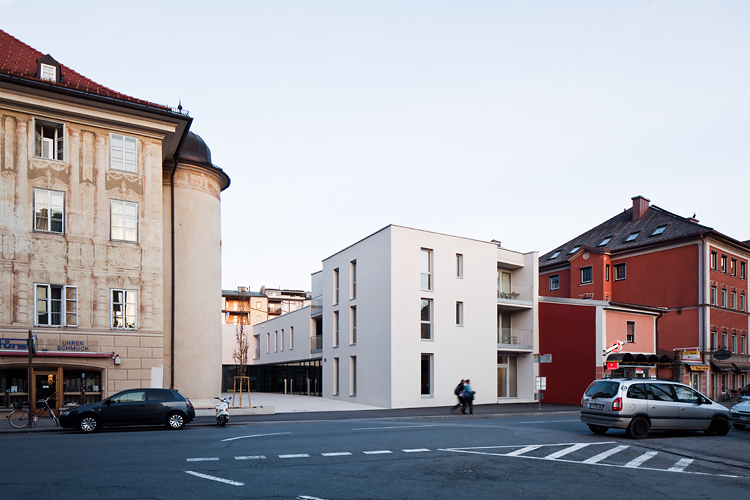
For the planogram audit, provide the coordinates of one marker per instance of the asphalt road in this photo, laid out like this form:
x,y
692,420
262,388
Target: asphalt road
x,y
538,457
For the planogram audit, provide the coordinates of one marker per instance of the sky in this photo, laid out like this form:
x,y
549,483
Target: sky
x,y
525,122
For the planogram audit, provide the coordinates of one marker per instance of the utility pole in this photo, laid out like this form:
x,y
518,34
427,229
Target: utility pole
x,y
31,347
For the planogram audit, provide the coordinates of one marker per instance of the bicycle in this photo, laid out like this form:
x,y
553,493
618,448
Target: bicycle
x,y
21,417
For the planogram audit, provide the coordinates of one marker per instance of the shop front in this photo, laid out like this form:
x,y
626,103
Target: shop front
x,y
635,365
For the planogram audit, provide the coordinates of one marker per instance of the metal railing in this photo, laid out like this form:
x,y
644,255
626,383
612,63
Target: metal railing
x,y
507,291
316,305
274,309
316,343
515,338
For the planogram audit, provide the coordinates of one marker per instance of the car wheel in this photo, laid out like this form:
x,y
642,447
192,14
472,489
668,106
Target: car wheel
x,y
638,428
175,420
89,423
739,426
598,429
718,427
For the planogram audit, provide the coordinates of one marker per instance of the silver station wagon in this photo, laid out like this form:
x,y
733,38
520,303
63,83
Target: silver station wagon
x,y
639,405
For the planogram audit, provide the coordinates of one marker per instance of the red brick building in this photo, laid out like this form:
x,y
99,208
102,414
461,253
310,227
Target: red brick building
x,y
651,257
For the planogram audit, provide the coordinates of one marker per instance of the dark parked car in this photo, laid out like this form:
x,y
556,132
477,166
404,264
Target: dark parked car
x,y
132,407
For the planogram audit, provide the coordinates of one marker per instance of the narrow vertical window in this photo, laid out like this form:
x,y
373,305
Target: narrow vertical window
x,y
743,341
733,302
353,274
353,323
733,267
335,286
282,341
335,328
459,266
426,269
275,341
606,273
714,257
723,263
268,342
743,270
459,314
630,331
742,302
291,338
713,295
723,298
335,376
426,319
426,375
713,340
734,343
352,375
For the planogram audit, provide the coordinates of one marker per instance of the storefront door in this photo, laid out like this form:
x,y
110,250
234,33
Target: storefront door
x,y
45,385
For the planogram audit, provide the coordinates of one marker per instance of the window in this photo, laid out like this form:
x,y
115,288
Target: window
x,y
723,298
353,274
459,266
733,267
49,140
630,332
606,272
733,297
586,276
574,250
742,302
723,263
281,343
335,376
632,236
713,340
555,254
554,282
49,210
268,342
122,153
714,257
291,338
604,241
335,328
724,340
659,230
426,269
619,272
426,319
275,341
49,72
257,305
124,219
335,286
459,314
352,375
743,274
742,344
734,343
353,323
426,375
55,305
713,295
123,309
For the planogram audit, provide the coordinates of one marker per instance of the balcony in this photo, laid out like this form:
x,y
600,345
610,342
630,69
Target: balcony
x,y
316,343
316,306
514,297
274,309
514,338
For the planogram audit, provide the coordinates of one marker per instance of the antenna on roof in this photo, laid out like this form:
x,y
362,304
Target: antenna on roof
x,y
179,106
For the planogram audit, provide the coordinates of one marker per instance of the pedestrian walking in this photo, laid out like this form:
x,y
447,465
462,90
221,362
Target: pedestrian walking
x,y
457,391
468,398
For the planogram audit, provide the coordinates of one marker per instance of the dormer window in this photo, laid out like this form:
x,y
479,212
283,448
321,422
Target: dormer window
x,y
604,241
555,255
49,72
632,236
659,230
575,249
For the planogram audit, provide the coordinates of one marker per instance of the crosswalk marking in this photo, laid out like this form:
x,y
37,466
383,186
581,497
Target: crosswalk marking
x,y
336,454
416,450
204,459
566,451
681,464
299,455
603,455
254,457
214,478
524,450
636,462
377,452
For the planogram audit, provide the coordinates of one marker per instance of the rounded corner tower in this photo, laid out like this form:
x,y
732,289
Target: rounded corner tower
x,y
192,188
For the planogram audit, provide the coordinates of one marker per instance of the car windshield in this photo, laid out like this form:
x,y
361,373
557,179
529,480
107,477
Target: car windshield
x,y
602,389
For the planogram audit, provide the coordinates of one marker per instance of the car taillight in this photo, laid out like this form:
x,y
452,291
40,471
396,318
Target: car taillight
x,y
190,405
617,404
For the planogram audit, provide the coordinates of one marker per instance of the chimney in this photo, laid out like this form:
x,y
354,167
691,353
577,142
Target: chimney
x,y
640,206
241,289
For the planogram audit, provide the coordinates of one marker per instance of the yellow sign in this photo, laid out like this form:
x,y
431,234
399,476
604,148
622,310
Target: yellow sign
x,y
699,368
696,355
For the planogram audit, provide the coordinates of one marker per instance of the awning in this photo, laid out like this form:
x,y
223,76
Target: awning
x,y
722,367
638,358
696,366
742,367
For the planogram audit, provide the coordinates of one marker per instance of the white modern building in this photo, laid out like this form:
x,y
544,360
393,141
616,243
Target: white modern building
x,y
400,317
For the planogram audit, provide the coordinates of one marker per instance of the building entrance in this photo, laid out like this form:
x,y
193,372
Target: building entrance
x,y
45,385
507,376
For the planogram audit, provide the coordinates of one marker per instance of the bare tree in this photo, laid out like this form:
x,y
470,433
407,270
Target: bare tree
x,y
242,344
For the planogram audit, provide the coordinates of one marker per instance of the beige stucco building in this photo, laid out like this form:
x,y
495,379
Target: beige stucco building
x,y
107,202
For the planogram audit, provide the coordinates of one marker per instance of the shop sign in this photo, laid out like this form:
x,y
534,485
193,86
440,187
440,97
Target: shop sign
x,y
612,366
690,355
72,345
13,344
699,368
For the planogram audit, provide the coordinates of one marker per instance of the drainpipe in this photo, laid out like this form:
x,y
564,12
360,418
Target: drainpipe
x,y
171,203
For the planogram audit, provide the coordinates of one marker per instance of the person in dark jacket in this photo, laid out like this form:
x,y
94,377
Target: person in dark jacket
x,y
457,391
468,397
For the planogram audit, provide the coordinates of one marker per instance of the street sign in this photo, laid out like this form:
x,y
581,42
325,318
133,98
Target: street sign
x,y
542,358
616,346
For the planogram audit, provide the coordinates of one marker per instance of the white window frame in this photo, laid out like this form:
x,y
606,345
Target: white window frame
x,y
743,302
427,322
723,297
733,300
126,305
119,221
591,275
554,282
353,325
49,72
49,207
459,313
713,295
68,304
425,268
620,272
714,259
723,263
55,145
733,266
123,158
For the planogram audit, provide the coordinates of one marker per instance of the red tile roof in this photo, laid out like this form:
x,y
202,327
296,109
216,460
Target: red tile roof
x,y
19,60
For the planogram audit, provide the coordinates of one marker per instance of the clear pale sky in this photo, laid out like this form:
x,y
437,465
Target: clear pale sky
x,y
526,121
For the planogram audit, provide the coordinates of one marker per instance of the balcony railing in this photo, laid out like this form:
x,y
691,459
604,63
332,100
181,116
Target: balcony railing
x,y
507,291
274,309
316,305
515,338
316,343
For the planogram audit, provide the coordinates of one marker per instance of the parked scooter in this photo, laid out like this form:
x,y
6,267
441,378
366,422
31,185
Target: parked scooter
x,y
222,412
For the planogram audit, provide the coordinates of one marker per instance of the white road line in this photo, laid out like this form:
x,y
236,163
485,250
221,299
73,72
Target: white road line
x,y
562,453
255,436
377,452
206,459
636,462
395,427
524,450
602,456
336,454
214,478
681,464
549,421
304,497
299,455
251,457
416,450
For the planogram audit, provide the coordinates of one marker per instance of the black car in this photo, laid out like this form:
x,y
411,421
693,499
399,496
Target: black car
x,y
132,407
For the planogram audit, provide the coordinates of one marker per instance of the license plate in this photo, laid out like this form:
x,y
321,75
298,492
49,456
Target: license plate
x,y
595,406
741,417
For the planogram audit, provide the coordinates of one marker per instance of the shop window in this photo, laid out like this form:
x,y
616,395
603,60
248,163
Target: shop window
x,y
81,387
